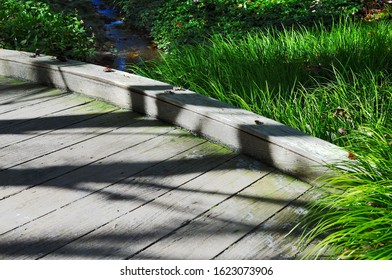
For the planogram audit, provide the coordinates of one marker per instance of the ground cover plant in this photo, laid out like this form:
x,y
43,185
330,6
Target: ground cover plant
x,y
30,25
174,22
86,12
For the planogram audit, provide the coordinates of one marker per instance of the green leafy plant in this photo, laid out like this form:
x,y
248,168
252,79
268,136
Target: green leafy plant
x,y
28,25
173,23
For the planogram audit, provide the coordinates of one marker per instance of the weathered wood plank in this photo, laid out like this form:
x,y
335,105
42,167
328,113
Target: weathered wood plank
x,y
131,233
6,82
55,140
282,147
66,101
55,164
31,128
219,228
85,180
65,225
274,238
80,183
13,93
37,94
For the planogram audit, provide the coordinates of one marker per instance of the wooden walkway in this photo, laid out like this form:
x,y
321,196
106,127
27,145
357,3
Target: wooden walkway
x,y
80,179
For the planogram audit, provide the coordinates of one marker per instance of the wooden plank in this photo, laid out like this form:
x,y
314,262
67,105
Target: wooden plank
x,y
130,233
55,164
63,190
274,238
6,82
66,224
272,142
220,227
12,94
37,95
66,101
56,140
31,128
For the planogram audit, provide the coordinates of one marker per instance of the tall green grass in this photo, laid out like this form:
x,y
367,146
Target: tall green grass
x,y
354,217
332,82
302,78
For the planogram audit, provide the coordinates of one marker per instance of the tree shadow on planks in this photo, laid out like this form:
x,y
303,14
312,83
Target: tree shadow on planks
x,y
180,107
32,246
129,242
141,176
113,246
100,178
52,122
16,93
283,147
134,190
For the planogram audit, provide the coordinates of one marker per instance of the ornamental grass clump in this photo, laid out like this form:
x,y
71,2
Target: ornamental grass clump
x,y
334,83
354,218
323,81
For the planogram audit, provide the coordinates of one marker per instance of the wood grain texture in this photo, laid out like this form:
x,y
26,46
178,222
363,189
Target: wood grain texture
x,y
125,196
278,237
139,229
80,179
47,140
11,100
287,149
219,228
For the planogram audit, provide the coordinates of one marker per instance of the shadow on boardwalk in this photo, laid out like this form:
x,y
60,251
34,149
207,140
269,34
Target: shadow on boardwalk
x,y
83,180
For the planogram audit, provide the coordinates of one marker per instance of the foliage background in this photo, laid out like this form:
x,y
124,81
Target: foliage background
x,y
30,25
178,22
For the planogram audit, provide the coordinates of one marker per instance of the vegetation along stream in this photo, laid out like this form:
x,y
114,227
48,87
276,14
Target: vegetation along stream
x,y
323,67
129,45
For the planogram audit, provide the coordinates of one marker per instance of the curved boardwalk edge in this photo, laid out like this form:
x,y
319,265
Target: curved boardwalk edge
x,y
280,146
82,179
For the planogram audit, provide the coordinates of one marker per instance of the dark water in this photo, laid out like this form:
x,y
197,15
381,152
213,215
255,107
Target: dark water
x,y
131,46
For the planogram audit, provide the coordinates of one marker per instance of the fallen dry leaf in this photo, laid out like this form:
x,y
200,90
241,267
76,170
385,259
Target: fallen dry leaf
x,y
108,69
342,131
351,156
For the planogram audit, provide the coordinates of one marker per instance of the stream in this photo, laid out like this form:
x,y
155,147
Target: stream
x,y
130,46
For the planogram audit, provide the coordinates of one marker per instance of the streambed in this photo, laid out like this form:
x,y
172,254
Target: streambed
x,y
129,46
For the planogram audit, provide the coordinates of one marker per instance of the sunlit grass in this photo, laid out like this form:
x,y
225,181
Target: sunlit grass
x,y
354,218
322,81
334,83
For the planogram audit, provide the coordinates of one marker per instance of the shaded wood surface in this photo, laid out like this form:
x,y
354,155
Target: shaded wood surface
x,y
80,179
